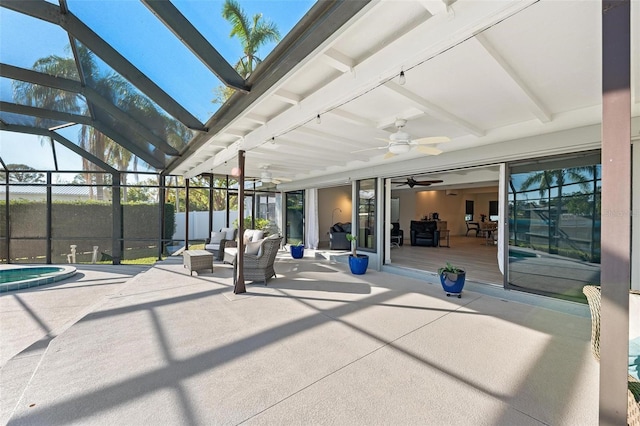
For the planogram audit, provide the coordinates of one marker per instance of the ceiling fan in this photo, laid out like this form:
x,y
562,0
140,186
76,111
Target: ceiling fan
x,y
401,142
411,182
266,176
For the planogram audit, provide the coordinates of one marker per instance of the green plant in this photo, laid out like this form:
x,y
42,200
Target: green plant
x,y
450,269
353,239
299,243
249,223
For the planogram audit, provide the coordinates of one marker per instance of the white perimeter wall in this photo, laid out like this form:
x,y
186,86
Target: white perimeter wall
x,y
199,224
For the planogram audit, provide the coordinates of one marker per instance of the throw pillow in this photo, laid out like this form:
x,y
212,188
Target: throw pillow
x,y
258,234
216,237
229,232
253,247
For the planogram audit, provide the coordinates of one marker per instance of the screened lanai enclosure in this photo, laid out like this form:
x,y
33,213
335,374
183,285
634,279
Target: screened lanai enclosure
x,y
90,123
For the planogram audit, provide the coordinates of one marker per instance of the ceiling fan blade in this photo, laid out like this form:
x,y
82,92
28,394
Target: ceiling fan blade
x,y
389,155
281,179
426,182
430,140
383,139
429,150
368,149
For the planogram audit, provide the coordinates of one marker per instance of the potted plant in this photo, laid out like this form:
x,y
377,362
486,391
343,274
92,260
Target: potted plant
x,y
297,250
452,279
358,263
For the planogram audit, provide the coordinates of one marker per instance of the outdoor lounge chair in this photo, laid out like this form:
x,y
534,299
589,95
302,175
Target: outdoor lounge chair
x,y
633,385
259,267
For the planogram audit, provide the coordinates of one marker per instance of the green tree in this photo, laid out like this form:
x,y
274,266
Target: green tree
x,y
253,33
115,89
21,173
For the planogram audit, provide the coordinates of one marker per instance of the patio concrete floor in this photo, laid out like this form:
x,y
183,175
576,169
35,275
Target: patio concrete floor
x,y
135,345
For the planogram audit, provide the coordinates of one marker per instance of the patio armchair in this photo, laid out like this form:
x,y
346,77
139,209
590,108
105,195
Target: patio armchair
x,y
259,266
231,247
633,384
216,242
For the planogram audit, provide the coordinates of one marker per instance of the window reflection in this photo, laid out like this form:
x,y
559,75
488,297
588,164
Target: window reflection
x,y
366,214
554,229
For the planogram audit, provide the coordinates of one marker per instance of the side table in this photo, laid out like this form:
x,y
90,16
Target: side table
x,y
196,260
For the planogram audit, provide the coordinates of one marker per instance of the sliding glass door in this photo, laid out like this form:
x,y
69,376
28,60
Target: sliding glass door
x,y
294,217
554,226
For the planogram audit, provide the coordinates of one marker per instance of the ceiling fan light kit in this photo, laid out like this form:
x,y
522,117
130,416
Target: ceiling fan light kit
x,y
399,148
401,142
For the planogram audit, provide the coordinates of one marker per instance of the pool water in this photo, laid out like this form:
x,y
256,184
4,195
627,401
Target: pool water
x,y
32,276
19,274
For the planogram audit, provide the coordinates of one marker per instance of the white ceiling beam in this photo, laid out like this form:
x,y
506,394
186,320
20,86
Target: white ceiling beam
x,y
236,132
255,118
351,118
287,97
533,102
338,60
302,162
410,49
324,135
313,149
435,7
433,109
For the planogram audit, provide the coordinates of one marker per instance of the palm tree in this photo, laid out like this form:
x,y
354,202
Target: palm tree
x,y
546,181
253,34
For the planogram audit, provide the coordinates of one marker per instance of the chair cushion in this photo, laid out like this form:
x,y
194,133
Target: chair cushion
x,y
253,247
216,237
229,233
252,235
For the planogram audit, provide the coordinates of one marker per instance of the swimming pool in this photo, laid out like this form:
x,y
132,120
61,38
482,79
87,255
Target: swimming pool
x,y
18,278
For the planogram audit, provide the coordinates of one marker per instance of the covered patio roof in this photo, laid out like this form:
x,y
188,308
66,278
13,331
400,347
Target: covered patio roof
x,y
502,80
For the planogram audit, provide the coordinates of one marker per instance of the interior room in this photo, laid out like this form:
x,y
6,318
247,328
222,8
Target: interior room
x,y
458,200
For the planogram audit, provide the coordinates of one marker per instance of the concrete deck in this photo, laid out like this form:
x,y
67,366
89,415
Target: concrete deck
x,y
132,346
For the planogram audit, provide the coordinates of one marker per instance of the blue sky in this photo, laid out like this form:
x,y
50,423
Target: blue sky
x,y
132,29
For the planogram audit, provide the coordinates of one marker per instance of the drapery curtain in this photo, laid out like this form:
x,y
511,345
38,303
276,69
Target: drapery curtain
x,y
311,231
502,197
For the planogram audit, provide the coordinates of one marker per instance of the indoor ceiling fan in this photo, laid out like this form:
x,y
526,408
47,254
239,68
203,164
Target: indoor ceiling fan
x,y
401,142
411,182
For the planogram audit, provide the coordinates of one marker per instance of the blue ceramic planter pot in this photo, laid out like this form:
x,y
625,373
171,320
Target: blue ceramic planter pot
x,y
452,283
297,252
358,264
